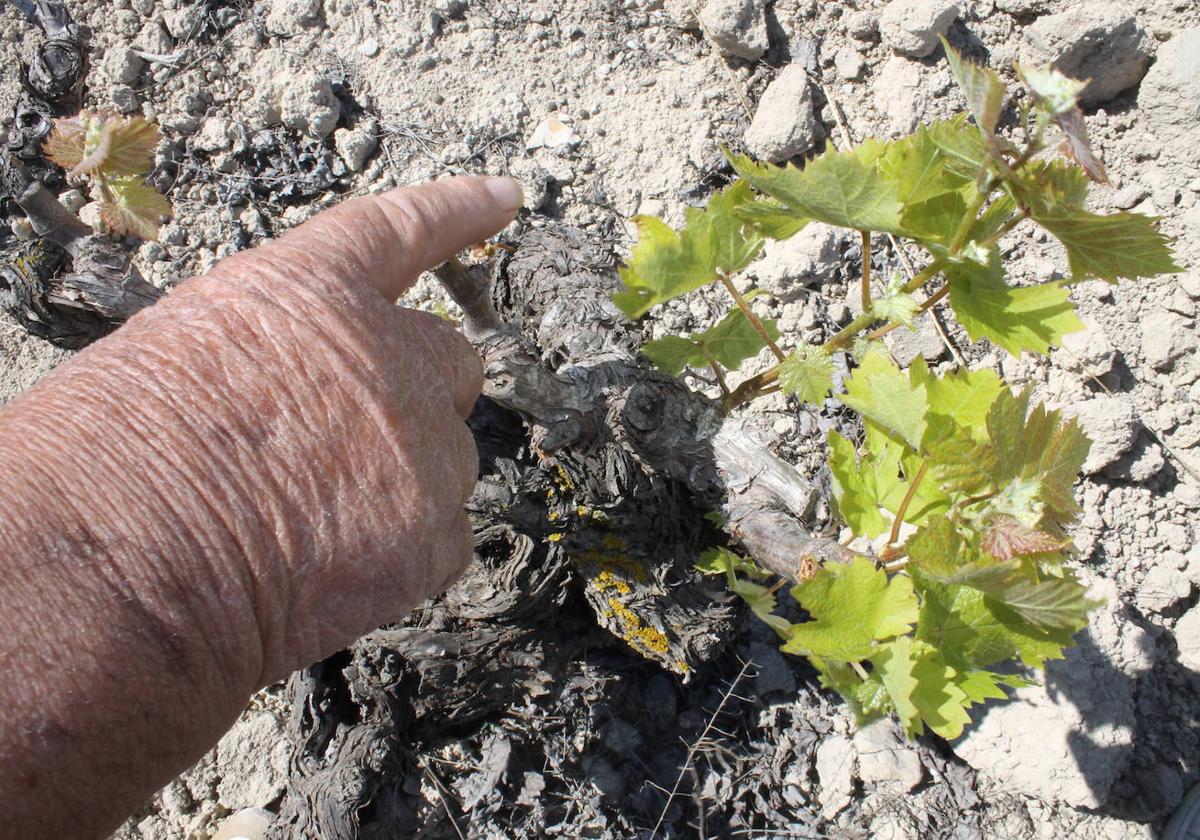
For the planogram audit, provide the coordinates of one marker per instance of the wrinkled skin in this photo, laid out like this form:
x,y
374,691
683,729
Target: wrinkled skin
x,y
238,482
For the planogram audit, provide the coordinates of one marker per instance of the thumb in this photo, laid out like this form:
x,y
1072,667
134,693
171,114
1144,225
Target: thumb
x,y
386,241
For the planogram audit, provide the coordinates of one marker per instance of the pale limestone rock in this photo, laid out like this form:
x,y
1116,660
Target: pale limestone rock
x,y
784,124
738,27
912,27
885,759
835,769
1110,423
1097,41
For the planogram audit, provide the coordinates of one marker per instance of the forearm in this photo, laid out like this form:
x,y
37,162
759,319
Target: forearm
x,y
197,505
108,690
127,652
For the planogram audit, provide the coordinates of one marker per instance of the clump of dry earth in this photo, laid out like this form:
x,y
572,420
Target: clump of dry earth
x,y
605,109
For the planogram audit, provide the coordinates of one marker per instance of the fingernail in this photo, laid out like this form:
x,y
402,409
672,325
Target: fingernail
x,y
506,192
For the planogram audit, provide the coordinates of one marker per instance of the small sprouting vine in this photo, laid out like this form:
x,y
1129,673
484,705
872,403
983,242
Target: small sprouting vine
x,y
962,489
114,155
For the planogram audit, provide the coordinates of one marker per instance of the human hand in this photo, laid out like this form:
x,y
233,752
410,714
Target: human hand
x,y
290,444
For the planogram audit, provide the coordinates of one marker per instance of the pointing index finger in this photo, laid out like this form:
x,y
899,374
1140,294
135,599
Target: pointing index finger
x,y
387,240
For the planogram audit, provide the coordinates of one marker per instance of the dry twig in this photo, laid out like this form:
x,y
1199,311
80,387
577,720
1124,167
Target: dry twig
x,y
700,744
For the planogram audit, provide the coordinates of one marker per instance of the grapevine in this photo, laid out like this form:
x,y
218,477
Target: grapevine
x,y
116,155
960,493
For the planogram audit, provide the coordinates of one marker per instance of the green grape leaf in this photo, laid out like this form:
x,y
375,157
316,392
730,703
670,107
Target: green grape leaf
x,y
992,219
734,339
1032,318
918,167
939,698
663,266
965,150
972,631
936,549
734,246
875,481
807,372
853,605
131,206
980,686
895,306
1106,247
981,86
1110,247
841,188
839,677
1027,465
1006,427
975,572
1037,445
729,342
666,264
712,561
855,488
922,687
959,403
935,220
1055,603
868,698
720,561
962,466
884,395
894,664
1047,186
1019,499
672,353
929,499
772,218
761,601
1049,604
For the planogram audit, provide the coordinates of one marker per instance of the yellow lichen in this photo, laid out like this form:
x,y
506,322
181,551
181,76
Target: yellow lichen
x,y
585,512
606,580
636,633
626,566
564,481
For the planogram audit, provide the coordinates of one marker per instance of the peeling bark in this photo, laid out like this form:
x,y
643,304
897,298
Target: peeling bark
x,y
567,321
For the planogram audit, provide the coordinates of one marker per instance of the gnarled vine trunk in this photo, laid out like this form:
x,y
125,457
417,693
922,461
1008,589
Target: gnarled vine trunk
x,y
595,475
